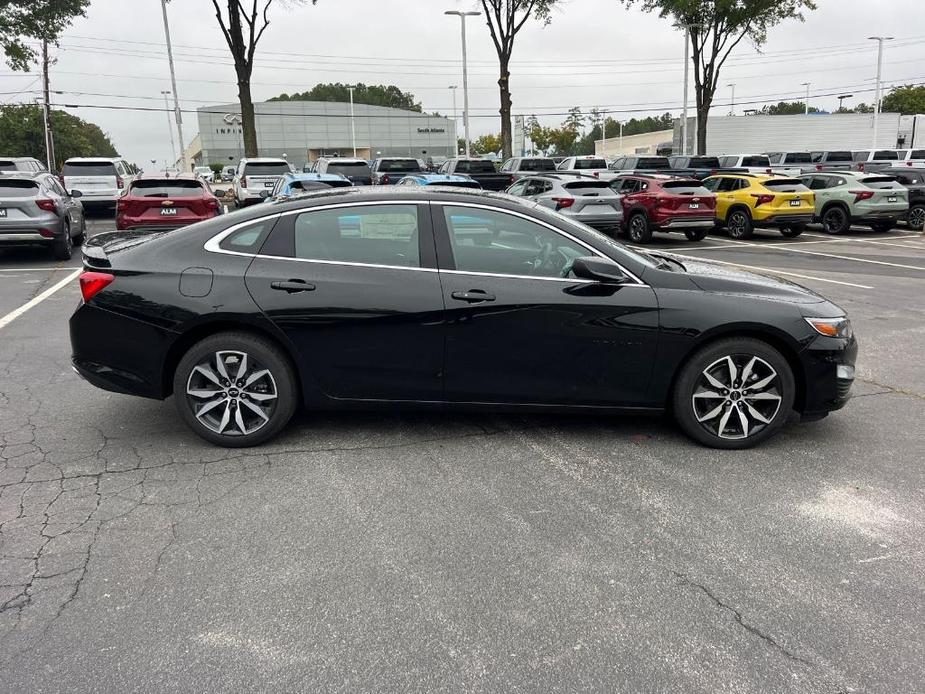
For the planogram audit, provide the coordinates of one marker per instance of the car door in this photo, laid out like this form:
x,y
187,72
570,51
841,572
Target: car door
x,y
356,290
73,208
725,195
518,331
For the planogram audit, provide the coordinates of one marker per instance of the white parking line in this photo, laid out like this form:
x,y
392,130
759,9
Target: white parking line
x,y
36,269
790,249
13,315
910,244
777,272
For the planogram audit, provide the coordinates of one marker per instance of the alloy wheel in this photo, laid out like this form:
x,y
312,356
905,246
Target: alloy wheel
x,y
834,220
231,393
637,228
737,396
916,218
737,224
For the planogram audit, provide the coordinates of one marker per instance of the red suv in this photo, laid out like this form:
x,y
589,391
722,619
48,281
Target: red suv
x,y
165,201
657,202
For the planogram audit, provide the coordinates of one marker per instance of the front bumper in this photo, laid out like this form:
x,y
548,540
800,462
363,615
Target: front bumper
x,y
828,365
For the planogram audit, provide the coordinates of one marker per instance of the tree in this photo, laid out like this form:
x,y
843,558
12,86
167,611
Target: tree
x,y
908,99
242,29
715,28
863,108
787,108
505,18
487,144
373,94
43,20
22,131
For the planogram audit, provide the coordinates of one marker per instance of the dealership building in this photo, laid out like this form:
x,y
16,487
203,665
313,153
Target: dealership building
x,y
302,131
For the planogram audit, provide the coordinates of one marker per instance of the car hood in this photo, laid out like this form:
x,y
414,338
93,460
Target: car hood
x,y
727,279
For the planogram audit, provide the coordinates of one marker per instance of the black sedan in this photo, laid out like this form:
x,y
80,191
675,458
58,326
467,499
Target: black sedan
x,y
393,296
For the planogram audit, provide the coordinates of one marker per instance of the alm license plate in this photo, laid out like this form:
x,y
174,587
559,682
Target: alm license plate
x,y
695,205
892,198
2,212
794,203
268,184
168,212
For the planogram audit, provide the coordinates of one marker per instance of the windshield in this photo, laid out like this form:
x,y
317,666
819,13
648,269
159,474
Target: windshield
x,y
537,165
474,166
349,168
17,188
583,164
266,168
88,168
388,165
165,188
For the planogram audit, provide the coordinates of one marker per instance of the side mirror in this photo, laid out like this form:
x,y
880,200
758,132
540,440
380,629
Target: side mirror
x,y
219,193
264,193
76,194
599,270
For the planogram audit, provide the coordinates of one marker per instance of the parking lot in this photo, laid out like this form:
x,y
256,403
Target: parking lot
x,y
422,552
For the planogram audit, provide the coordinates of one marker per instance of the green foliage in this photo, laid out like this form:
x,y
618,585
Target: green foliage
x,y
22,134
786,108
373,95
217,167
487,144
863,108
21,20
905,100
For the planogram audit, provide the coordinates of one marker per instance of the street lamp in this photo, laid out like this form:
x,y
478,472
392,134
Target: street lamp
x,y
841,98
462,21
173,147
452,89
806,103
353,125
732,105
879,40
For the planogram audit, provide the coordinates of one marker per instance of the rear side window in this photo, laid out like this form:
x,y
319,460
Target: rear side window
x,y
684,188
581,164
88,168
654,163
882,182
798,158
537,165
371,235
387,165
786,185
265,169
756,161
474,166
167,188
17,189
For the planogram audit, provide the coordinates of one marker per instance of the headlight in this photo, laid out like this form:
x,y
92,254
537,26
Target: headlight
x,y
831,327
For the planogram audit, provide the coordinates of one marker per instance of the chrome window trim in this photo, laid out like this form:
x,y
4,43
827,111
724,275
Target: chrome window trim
x,y
344,262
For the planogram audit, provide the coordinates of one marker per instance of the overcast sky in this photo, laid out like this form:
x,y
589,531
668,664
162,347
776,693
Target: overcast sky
x,y
595,53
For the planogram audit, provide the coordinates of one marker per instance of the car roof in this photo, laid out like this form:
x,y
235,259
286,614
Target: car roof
x,y
108,160
149,175
22,175
431,177
351,159
264,160
313,176
561,174
3,158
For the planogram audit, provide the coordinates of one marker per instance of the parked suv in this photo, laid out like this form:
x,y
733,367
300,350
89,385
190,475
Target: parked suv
x,y
640,163
356,170
853,197
35,209
160,201
874,159
256,175
791,163
589,164
696,166
390,170
518,167
746,200
100,180
914,181
833,160
751,163
653,202
27,164
585,199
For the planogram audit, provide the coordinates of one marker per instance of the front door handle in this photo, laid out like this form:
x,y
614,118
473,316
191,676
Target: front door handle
x,y
293,286
473,296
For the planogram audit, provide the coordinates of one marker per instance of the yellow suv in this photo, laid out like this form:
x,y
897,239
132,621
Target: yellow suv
x,y
744,201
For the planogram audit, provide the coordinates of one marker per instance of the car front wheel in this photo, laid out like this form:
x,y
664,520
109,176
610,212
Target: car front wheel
x,y
235,389
916,218
739,225
734,393
639,229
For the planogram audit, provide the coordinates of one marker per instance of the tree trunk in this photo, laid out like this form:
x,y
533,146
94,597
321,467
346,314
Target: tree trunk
x,y
504,84
704,102
248,124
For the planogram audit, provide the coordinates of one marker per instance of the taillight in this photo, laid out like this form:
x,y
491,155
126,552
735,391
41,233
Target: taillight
x,y
92,282
244,181
862,194
818,167
562,203
212,204
596,174
120,184
861,166
510,180
384,179
47,205
761,198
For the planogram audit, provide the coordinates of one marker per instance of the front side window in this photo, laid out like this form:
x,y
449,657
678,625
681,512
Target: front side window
x,y
371,235
711,184
497,243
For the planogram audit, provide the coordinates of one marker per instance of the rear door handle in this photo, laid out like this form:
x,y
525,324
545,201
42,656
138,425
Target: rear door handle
x,y
473,296
293,286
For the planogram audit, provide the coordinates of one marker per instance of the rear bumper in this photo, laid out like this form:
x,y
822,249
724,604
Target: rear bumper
x,y
784,219
99,197
137,223
36,231
685,222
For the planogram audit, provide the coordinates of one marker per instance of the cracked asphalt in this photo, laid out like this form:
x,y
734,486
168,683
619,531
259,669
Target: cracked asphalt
x,y
416,552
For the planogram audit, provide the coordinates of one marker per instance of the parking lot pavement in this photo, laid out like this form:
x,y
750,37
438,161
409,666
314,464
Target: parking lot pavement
x,y
422,552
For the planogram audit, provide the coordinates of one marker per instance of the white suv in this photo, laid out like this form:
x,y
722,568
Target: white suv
x,y
754,163
256,175
100,180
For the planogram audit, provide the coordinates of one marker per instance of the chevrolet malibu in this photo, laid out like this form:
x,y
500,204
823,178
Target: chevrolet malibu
x,y
389,297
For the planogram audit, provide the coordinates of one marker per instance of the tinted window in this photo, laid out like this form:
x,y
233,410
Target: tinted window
x,y
729,184
582,164
711,184
518,188
653,163
17,188
265,169
587,187
799,158
917,154
387,165
349,168
7,165
537,165
248,239
837,156
167,189
684,188
474,166
88,168
884,182
704,162
886,154
376,235
755,161
909,178
494,242
786,185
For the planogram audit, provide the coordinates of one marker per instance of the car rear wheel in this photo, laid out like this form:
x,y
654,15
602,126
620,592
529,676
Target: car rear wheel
x,y
739,224
792,232
835,220
235,389
696,234
734,393
639,230
882,226
64,247
916,217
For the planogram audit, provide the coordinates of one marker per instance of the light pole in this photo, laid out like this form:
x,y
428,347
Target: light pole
x,y
684,108
841,98
603,131
806,103
353,125
732,105
173,146
452,89
621,137
462,21
173,84
879,40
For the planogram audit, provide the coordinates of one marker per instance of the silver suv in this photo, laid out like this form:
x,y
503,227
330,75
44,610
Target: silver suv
x,y
585,199
36,210
27,164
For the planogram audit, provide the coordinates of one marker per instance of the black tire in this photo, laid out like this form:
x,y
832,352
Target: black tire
x,y
739,224
697,234
693,403
915,220
882,226
63,248
835,220
638,228
793,231
82,236
207,422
